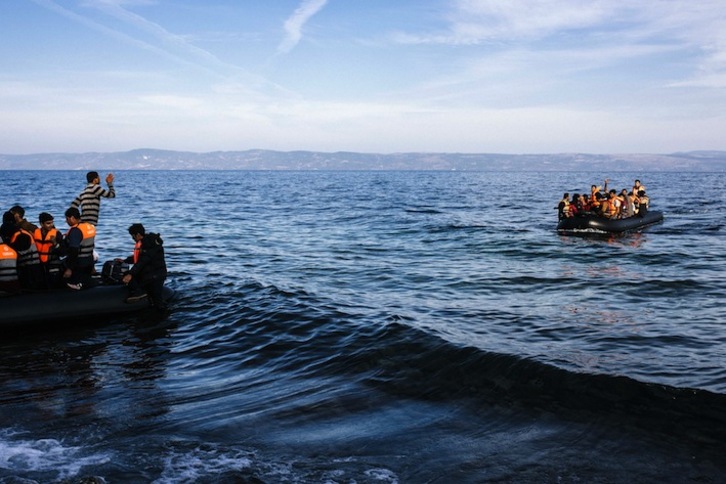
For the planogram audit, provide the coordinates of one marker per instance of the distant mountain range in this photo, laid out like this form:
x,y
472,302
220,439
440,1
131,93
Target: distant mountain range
x,y
151,159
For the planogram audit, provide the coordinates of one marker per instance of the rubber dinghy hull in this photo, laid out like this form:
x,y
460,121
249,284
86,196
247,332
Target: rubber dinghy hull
x,y
606,225
66,304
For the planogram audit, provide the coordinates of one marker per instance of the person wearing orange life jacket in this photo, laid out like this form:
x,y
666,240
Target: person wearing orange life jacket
x,y
611,206
148,273
78,245
8,269
47,240
30,273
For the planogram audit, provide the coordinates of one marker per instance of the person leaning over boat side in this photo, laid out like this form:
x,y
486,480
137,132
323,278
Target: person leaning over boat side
x,y
47,240
30,273
89,200
77,246
148,273
9,282
19,216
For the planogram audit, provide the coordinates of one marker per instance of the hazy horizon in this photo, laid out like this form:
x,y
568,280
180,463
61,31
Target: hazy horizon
x,y
461,76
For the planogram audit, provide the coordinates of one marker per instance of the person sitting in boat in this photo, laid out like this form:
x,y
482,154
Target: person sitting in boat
x,y
578,206
148,272
643,203
47,240
611,207
77,246
633,197
563,208
9,282
30,273
594,189
627,208
19,217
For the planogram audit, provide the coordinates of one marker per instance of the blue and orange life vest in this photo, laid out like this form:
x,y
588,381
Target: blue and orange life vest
x,y
8,264
28,256
85,251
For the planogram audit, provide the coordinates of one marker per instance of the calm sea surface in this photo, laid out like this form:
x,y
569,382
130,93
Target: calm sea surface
x,y
382,327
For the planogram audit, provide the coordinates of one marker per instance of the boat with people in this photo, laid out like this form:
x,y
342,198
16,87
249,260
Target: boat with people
x,y
606,211
65,305
593,223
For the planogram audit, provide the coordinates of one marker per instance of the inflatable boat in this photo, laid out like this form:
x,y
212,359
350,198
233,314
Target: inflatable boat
x,y
66,304
597,224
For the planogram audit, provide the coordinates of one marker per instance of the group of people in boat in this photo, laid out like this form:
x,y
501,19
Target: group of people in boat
x,y
602,202
40,257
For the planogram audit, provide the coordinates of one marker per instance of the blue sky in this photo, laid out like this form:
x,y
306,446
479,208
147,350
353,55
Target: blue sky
x,y
516,76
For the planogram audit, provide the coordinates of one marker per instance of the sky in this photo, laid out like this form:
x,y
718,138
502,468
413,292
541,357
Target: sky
x,y
374,76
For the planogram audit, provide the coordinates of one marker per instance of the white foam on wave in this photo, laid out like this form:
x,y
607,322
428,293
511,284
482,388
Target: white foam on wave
x,y
198,463
19,455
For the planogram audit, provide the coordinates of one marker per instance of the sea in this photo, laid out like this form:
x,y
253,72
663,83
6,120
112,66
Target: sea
x,y
381,327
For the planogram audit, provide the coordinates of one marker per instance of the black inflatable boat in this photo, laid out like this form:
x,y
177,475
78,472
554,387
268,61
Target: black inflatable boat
x,y
596,224
87,305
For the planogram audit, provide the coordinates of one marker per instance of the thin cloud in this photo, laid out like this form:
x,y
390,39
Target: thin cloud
x,y
295,24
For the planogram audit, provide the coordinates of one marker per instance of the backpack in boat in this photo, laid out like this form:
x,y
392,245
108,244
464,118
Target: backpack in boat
x,y
113,271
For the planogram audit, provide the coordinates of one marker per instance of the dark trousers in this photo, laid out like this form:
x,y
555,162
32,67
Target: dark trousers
x,y
154,287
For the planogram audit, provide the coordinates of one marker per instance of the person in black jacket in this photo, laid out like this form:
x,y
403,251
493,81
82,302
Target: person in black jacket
x,y
148,273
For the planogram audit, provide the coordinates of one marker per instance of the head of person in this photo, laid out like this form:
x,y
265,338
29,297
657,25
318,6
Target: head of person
x,y
92,177
641,193
18,213
8,227
637,183
46,220
73,216
137,231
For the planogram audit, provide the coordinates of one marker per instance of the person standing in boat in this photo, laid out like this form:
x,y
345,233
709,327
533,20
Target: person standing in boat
x,y
148,272
78,245
88,202
30,273
47,240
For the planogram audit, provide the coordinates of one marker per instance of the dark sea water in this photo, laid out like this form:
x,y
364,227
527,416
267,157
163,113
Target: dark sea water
x,y
382,327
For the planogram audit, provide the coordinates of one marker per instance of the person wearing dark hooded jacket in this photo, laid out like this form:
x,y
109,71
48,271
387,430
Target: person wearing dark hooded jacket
x,y
148,273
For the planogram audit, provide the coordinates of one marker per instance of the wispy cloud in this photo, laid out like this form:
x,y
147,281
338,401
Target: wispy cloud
x,y
295,24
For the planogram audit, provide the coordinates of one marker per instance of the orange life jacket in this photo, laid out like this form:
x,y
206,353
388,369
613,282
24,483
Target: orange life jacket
x,y
28,256
85,251
137,251
44,244
8,264
610,207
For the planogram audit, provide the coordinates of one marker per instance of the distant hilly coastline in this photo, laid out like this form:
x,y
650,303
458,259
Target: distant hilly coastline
x,y
152,159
